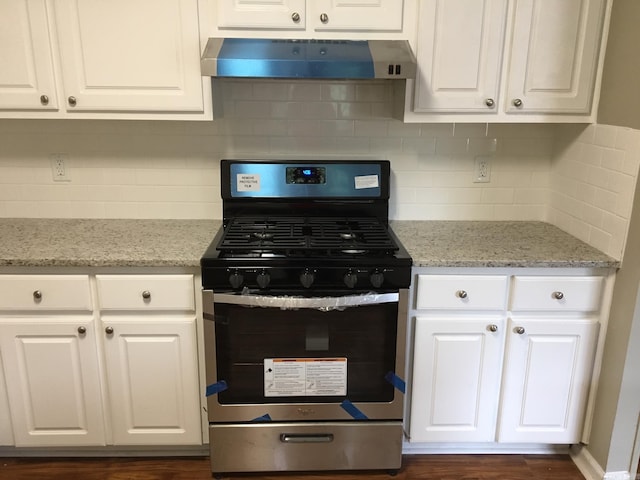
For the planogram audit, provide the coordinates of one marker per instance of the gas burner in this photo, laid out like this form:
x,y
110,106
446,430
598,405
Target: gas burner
x,y
264,236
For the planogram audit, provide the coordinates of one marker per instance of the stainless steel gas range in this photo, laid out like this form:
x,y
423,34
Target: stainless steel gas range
x,y
305,306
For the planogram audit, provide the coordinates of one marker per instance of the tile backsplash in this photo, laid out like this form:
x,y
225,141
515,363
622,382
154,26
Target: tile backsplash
x,y
169,169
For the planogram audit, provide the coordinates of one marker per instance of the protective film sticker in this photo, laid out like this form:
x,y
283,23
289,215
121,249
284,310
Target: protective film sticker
x,y
366,181
396,381
216,388
248,182
292,377
352,410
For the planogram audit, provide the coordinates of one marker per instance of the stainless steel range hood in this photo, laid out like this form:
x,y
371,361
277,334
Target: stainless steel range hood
x,y
313,59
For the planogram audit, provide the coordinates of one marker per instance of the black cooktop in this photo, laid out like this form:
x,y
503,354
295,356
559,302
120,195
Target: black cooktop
x,y
305,236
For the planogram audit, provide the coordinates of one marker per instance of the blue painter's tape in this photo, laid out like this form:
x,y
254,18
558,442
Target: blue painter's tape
x,y
216,388
396,381
352,410
264,418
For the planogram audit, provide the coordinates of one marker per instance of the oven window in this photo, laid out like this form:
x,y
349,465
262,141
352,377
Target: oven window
x,y
365,336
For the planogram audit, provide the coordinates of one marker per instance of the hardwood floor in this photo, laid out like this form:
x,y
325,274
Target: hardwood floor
x,y
415,467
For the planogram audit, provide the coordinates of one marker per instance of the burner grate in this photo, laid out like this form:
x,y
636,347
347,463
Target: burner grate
x,y
307,234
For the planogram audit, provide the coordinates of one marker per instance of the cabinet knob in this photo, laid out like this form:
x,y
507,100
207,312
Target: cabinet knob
x,y
558,295
461,294
108,330
295,16
324,18
519,330
517,102
493,327
44,99
82,330
490,102
146,294
72,101
37,295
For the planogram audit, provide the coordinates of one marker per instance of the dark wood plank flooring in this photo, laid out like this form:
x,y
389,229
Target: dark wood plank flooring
x,y
415,467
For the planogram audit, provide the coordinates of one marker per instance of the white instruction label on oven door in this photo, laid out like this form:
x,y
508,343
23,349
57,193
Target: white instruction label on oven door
x,y
292,377
248,182
367,181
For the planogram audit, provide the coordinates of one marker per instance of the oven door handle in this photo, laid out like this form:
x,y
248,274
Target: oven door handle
x,y
315,303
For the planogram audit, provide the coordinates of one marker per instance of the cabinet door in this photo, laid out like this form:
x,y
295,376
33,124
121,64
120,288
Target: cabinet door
x,y
26,76
460,44
456,378
554,56
274,14
6,431
152,373
353,15
546,380
130,55
51,371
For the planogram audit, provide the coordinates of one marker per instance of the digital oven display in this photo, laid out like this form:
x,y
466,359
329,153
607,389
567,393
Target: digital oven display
x,y
306,175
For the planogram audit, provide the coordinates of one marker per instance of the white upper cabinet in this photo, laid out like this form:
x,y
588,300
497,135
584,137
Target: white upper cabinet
x,y
459,55
280,14
311,16
130,55
26,77
554,56
507,61
97,59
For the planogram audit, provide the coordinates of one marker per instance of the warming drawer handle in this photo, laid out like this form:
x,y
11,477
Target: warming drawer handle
x,y
310,438
293,303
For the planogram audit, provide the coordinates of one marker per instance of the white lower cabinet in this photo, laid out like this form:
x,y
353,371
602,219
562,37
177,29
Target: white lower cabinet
x,y
546,379
80,371
504,358
456,375
6,430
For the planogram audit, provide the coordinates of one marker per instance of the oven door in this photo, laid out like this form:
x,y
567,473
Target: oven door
x,y
304,359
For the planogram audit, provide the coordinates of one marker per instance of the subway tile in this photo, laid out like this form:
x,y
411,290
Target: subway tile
x,y
605,135
341,92
371,128
354,110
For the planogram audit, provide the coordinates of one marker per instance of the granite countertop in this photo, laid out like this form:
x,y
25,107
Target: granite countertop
x,y
104,243
495,244
181,243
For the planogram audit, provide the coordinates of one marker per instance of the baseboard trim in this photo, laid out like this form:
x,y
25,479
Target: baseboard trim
x,y
590,468
482,448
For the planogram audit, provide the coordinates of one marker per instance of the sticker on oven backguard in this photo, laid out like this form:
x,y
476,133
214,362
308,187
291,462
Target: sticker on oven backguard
x,y
248,182
294,377
367,181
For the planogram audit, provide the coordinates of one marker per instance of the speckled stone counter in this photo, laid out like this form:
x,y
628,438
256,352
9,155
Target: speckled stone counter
x,y
104,243
495,244
181,243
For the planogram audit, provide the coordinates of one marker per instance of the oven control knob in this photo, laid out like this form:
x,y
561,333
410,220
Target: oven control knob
x,y
263,279
307,278
350,279
236,279
377,279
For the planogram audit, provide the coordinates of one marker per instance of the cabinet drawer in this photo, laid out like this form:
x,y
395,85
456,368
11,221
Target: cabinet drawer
x,y
45,292
145,292
465,292
580,294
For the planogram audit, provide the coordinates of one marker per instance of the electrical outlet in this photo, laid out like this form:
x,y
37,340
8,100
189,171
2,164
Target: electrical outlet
x,y
58,167
482,170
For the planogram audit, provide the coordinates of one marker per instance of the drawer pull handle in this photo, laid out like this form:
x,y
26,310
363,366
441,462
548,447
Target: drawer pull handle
x,y
306,438
493,327
109,330
558,295
146,294
37,295
461,294
519,330
82,330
